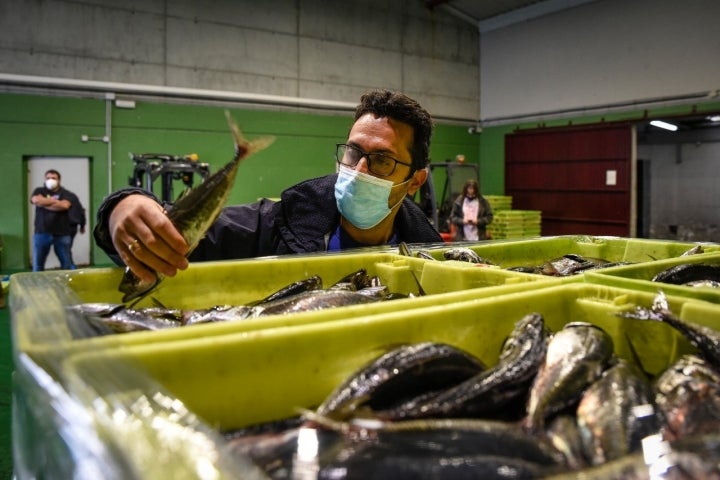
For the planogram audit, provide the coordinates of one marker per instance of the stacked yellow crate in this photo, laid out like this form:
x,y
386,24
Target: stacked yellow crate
x,y
509,223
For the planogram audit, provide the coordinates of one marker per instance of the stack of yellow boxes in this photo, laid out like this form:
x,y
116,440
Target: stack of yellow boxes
x,y
509,223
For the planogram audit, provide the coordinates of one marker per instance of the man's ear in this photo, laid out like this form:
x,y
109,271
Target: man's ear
x,y
418,178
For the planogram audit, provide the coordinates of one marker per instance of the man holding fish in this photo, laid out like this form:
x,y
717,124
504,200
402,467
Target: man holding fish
x,y
366,203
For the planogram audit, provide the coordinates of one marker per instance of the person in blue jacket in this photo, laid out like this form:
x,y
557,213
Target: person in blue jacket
x,y
366,203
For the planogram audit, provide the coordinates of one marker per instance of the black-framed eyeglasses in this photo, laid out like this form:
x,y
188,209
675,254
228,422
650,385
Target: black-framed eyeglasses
x,y
378,163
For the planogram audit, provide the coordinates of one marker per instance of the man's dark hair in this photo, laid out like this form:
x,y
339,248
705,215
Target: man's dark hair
x,y
55,172
385,103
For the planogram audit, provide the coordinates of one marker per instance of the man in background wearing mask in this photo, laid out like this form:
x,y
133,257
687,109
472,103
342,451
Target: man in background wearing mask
x,y
366,203
52,222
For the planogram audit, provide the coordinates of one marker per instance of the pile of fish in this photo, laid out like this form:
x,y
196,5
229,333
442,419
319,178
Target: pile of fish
x,y
564,266
357,288
555,405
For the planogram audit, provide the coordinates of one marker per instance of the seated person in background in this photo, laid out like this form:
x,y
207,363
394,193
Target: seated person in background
x,y
368,202
471,213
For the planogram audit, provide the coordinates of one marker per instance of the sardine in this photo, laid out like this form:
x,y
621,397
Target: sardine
x,y
687,273
464,254
576,356
309,284
688,395
218,313
571,264
196,211
402,373
312,300
356,280
490,390
106,318
705,339
615,413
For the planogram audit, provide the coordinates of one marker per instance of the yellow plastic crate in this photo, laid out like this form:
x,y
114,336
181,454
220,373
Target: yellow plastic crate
x,y
253,377
42,328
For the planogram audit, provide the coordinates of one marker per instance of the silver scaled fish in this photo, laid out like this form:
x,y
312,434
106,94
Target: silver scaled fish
x,y
195,212
576,357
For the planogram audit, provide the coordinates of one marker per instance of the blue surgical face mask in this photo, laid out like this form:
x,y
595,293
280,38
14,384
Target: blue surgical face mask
x,y
361,198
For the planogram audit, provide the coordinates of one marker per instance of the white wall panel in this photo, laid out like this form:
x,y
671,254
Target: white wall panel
x,y
604,52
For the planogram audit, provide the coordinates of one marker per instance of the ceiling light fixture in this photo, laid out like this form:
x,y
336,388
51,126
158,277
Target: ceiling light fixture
x,y
665,125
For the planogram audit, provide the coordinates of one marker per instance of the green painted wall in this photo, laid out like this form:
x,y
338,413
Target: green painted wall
x,y
50,125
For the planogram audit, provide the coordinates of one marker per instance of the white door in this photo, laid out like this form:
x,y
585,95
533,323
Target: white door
x,y
75,176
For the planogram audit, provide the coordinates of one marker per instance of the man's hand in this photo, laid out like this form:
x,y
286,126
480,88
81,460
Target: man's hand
x,y
146,239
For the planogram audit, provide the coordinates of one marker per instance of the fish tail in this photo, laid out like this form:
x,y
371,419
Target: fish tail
x,y
244,147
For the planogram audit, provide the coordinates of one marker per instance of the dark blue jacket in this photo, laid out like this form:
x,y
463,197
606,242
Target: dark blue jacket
x,y
301,222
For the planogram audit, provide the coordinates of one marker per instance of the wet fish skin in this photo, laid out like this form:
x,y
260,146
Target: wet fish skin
x,y
576,356
405,371
307,285
355,281
312,300
218,313
688,395
489,390
615,413
464,254
131,320
454,448
571,264
705,339
196,211
687,273
106,318
563,433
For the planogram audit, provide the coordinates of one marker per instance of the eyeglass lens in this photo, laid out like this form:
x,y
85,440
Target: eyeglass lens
x,y
378,163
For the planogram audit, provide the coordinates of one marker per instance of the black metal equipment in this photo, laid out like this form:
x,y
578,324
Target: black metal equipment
x,y
150,166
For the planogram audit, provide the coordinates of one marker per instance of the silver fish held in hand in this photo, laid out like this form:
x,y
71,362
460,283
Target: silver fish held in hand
x,y
195,212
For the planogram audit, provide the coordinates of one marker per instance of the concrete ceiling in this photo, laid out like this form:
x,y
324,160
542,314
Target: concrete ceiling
x,y
493,14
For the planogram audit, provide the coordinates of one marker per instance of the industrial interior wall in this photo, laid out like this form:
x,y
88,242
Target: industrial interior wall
x,y
316,49
41,125
600,55
676,201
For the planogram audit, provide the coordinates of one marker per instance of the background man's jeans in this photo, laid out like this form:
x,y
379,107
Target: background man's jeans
x,y
41,248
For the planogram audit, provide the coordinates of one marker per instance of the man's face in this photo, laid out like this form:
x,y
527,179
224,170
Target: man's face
x,y
373,134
